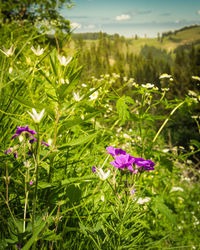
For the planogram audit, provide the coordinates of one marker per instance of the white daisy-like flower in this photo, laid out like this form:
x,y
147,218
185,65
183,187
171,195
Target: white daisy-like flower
x,y
94,95
165,75
39,51
148,85
64,60
77,97
142,201
102,175
83,85
8,52
36,117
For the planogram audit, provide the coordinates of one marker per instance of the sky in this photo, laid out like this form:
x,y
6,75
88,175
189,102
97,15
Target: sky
x,y
130,17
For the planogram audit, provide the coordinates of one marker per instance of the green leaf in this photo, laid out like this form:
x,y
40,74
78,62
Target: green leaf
x,y
43,185
123,109
73,193
70,123
53,66
25,103
195,143
166,163
163,209
87,178
81,140
37,231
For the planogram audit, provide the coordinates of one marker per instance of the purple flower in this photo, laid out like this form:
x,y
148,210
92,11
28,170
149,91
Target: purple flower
x,y
143,165
44,143
123,161
23,129
31,182
33,139
8,151
114,151
133,191
93,169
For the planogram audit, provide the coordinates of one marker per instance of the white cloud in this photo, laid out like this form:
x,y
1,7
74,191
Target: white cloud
x,y
122,17
75,25
198,12
90,26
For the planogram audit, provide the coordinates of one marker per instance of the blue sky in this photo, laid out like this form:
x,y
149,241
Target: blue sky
x,y
130,17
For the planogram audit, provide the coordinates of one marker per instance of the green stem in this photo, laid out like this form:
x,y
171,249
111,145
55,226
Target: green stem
x,y
165,122
37,158
25,206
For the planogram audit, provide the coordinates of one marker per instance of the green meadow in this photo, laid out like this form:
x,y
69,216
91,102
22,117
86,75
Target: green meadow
x,y
99,139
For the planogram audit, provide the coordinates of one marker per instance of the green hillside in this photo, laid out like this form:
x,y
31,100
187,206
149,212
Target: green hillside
x,y
168,41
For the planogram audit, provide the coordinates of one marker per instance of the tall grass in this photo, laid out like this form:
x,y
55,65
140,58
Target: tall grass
x,y
58,189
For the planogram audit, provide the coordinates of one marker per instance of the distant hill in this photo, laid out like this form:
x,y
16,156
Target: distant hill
x,y
170,41
93,35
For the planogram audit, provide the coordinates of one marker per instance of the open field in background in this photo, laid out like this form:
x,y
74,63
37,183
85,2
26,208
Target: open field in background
x,y
188,36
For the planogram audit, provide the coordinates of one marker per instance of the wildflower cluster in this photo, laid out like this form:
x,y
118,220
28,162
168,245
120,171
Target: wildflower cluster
x,y
24,132
124,161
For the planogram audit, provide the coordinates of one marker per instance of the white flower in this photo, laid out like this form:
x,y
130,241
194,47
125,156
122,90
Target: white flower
x,y
36,117
192,93
27,164
50,141
21,138
84,85
102,175
127,136
148,85
62,81
142,201
77,97
165,76
8,52
196,78
174,189
155,88
94,95
38,51
102,198
165,89
165,150
63,60
10,70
